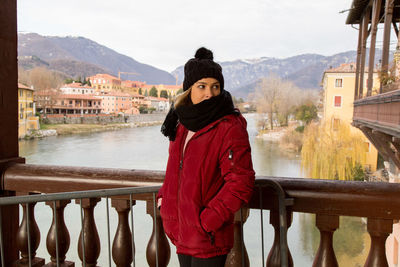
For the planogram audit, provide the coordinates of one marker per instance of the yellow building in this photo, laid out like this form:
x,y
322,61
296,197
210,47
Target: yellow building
x,y
27,119
339,87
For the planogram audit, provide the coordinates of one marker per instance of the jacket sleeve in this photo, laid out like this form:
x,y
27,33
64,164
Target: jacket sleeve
x,y
237,171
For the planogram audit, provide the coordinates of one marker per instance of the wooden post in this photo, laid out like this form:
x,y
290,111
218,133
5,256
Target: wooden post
x,y
122,244
158,243
327,225
386,37
358,63
374,26
379,230
91,236
365,22
9,119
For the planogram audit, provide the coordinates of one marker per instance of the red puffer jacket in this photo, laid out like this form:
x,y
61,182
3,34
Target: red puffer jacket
x,y
205,185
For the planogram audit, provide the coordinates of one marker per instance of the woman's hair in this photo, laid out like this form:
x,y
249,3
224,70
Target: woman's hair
x,y
183,99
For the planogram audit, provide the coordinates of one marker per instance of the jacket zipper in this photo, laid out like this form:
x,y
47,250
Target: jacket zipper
x,y
180,170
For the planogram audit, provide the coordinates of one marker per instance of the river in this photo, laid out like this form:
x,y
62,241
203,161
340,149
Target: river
x,y
146,148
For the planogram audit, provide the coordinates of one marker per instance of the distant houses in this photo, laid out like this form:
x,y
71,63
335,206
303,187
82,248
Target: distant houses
x,y
106,94
27,120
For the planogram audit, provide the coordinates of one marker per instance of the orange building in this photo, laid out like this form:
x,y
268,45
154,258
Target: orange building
x,y
115,102
105,82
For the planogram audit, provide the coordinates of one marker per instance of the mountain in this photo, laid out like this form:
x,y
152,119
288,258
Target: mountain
x,y
241,76
83,57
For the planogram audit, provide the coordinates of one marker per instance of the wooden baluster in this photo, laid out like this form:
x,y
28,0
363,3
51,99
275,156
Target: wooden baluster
x,y
379,230
122,245
22,238
62,234
274,256
327,225
160,239
235,256
91,237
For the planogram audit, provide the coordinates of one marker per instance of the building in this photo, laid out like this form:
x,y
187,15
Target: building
x,y
115,103
105,82
160,104
26,111
339,89
53,102
132,86
77,88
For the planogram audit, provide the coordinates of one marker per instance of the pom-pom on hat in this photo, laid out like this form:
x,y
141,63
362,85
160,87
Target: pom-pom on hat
x,y
202,66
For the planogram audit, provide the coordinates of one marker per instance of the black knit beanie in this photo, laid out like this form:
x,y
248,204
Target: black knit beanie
x,y
202,66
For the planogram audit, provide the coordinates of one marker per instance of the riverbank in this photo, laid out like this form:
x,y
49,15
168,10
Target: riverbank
x,y
288,138
68,129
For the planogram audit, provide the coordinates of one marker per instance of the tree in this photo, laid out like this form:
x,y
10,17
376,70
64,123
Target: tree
x,y
306,113
332,153
153,92
145,93
164,94
140,91
267,96
180,91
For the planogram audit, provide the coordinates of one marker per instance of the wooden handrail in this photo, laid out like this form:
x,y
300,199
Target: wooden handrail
x,y
362,199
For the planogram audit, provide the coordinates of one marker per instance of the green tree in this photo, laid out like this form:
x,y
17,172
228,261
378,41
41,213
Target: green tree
x,y
306,113
140,91
146,93
153,92
180,91
164,94
68,80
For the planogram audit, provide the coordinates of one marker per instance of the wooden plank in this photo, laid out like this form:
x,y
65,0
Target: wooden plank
x,y
375,20
365,22
358,62
386,36
9,119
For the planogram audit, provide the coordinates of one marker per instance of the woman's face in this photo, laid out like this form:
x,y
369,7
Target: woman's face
x,y
204,89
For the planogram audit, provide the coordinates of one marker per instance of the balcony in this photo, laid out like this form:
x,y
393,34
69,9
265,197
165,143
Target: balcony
x,y
378,202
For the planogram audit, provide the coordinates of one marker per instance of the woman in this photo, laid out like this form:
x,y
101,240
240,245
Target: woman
x,y
209,172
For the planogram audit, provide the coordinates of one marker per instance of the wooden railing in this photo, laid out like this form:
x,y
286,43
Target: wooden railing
x,y
378,202
381,110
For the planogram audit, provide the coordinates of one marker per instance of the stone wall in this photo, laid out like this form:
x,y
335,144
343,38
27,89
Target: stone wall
x,y
139,118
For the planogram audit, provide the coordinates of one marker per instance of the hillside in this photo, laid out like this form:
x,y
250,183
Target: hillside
x,y
83,57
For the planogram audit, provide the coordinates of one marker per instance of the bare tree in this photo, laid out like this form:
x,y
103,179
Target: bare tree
x,y
268,95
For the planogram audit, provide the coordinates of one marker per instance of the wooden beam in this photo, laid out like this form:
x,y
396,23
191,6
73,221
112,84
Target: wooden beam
x,y
385,143
396,29
358,62
386,37
365,22
9,120
376,10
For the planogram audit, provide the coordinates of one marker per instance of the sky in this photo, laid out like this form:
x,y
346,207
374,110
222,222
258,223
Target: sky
x,y
166,33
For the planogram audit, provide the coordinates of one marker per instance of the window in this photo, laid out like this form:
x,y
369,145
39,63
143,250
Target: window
x,y
338,82
21,115
338,101
70,102
335,124
367,147
21,93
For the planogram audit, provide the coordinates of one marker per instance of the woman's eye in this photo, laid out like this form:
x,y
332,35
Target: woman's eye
x,y
216,87
201,86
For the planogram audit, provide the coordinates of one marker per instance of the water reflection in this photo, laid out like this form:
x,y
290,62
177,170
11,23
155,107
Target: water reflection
x,y
350,242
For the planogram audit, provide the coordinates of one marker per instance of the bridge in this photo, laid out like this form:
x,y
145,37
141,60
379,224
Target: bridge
x,y
25,184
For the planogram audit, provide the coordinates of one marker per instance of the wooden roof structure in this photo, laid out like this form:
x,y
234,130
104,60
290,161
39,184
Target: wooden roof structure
x,y
358,8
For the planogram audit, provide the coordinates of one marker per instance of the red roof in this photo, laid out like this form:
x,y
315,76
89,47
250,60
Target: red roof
x,y
22,86
76,85
346,68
